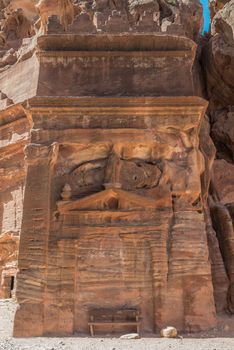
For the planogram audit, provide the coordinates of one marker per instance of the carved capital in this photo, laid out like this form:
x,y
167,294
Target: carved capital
x,y
35,153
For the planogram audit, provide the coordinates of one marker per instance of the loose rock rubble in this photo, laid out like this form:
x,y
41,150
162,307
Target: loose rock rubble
x,y
169,332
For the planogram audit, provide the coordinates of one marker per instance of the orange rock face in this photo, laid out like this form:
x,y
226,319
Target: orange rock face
x,y
105,169
219,74
14,136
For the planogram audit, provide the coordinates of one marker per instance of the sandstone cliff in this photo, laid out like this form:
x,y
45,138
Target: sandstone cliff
x,y
118,185
219,73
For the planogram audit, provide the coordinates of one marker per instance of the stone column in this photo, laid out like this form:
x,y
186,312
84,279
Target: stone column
x,y
190,299
34,240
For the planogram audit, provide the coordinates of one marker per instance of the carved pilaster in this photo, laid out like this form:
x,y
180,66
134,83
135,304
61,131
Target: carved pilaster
x,y
60,289
34,239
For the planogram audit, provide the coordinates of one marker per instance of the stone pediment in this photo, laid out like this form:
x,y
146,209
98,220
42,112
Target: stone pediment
x,y
110,199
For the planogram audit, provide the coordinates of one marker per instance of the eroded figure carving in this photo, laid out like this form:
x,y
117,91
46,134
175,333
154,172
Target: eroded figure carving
x,y
64,9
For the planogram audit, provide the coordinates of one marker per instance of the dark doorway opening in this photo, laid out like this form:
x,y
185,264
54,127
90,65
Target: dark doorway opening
x,y
12,285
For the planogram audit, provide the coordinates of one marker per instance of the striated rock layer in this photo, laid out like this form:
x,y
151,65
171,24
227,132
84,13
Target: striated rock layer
x,y
106,167
219,64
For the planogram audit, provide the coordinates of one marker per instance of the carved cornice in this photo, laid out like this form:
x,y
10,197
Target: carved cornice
x,y
136,53
122,106
117,42
192,102
95,118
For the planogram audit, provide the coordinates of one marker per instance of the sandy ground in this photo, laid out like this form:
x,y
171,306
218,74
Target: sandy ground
x,y
221,338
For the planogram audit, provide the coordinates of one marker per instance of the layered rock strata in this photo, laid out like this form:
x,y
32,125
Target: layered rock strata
x,y
14,136
107,165
128,172
219,64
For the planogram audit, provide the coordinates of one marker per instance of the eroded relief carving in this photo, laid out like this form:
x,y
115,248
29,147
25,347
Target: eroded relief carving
x,y
114,210
174,162
131,167
64,9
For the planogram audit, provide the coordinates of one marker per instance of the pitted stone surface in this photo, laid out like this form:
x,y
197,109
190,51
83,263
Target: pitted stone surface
x,y
109,182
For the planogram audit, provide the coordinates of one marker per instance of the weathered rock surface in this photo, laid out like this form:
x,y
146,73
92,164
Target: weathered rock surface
x,y
223,133
219,275
14,136
219,58
219,55
223,181
9,245
216,6
106,165
223,225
